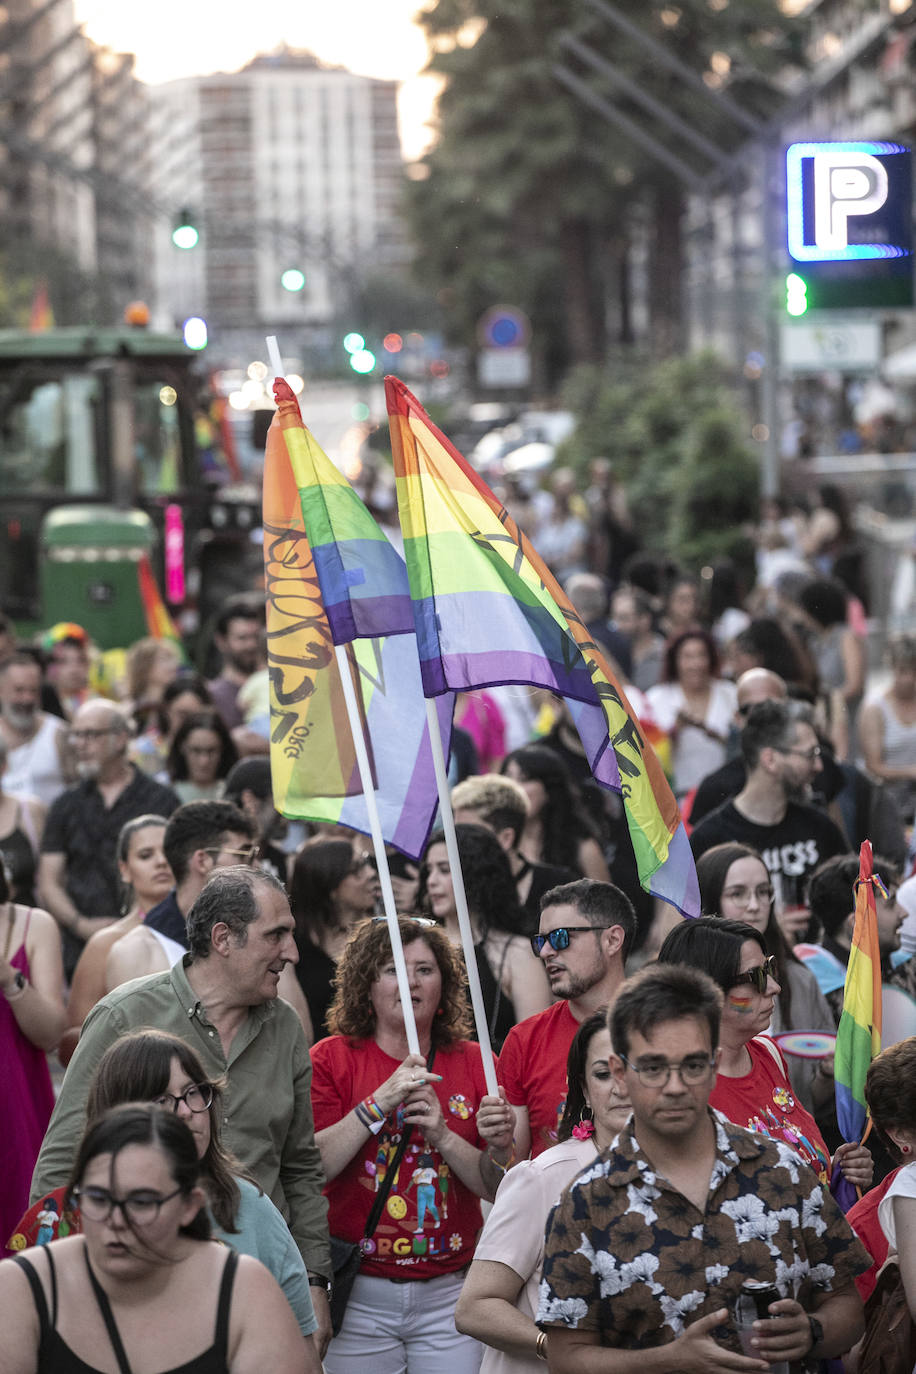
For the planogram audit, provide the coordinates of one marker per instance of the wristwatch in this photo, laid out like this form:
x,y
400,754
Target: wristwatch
x,y
319,1281
817,1333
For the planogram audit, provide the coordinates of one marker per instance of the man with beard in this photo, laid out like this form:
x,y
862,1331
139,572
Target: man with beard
x,y
586,930
77,872
237,635
782,756
37,762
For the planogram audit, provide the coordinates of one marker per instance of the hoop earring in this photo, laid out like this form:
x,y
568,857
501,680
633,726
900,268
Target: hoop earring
x,y
585,1126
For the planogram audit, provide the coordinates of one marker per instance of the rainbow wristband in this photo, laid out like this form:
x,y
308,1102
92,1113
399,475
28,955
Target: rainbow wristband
x,y
370,1114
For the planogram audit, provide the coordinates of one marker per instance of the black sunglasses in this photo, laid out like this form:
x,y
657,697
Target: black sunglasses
x,y
558,939
759,976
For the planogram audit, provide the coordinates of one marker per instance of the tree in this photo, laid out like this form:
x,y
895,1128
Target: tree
x,y
677,438
531,199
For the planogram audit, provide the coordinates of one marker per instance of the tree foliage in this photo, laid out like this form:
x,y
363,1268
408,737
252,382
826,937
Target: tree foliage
x,y
678,438
529,196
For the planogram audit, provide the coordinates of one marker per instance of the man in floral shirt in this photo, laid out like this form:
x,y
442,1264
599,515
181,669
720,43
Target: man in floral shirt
x,y
650,1245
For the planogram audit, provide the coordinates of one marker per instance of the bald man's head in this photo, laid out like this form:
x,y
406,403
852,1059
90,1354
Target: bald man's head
x,y
759,684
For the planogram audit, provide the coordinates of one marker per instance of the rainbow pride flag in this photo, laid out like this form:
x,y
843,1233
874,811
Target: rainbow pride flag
x,y
159,623
859,1033
488,610
333,578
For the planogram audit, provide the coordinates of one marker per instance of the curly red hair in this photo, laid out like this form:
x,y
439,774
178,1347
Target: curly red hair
x,y
368,948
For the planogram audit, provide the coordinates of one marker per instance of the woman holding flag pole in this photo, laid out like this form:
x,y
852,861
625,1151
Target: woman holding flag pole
x,y
422,1125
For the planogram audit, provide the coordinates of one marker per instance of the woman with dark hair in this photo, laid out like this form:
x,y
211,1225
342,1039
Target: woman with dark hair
x,y
735,884
200,758
500,1295
752,1084
694,706
332,887
558,830
766,643
185,696
146,881
152,1066
144,1270
512,980
368,1089
32,1020
840,656
890,1092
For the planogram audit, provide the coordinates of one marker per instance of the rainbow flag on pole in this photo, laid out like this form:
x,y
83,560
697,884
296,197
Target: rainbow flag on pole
x,y
332,576
859,1033
488,610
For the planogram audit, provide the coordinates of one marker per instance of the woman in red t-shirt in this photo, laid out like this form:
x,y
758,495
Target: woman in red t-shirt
x,y
366,1087
752,1085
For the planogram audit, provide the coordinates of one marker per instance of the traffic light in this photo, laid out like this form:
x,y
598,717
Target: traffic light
x,y
293,279
796,294
185,233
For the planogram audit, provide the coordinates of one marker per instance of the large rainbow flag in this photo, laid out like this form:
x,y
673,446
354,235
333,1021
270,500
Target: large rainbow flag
x,y
333,578
859,1033
488,610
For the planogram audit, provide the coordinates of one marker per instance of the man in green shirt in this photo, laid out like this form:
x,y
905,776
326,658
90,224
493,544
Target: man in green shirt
x,y
222,998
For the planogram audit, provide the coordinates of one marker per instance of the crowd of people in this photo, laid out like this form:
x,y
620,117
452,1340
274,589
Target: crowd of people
x,y
221,987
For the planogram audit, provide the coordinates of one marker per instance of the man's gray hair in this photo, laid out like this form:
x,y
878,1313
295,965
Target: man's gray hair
x,y
230,895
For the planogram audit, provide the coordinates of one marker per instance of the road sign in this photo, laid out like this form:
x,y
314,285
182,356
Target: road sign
x,y
833,347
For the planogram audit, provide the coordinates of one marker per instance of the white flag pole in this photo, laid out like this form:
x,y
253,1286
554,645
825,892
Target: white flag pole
x,y
461,901
365,774
378,844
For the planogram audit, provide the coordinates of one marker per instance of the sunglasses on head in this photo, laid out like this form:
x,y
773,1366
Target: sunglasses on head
x,y
558,939
759,976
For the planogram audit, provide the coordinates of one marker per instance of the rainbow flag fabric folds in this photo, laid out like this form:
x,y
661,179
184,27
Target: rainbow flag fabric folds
x,y
489,611
328,579
859,1033
159,623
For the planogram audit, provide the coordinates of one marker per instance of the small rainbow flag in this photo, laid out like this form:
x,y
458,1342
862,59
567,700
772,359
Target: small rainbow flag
x,y
859,1033
332,578
488,610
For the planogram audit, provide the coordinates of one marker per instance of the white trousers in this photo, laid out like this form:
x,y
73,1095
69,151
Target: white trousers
x,y
403,1328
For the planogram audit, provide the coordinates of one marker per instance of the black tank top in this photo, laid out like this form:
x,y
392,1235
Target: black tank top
x,y
55,1357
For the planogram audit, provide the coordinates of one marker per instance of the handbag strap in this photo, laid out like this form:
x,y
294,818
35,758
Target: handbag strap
x,y
104,1306
381,1196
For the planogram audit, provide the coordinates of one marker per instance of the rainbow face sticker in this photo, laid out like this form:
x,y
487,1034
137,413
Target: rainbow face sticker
x,y
741,1002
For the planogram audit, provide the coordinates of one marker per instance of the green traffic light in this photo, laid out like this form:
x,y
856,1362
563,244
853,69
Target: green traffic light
x,y
796,294
185,233
293,279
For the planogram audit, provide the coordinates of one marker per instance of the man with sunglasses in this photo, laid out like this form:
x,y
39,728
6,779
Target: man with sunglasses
x,y
585,931
652,1245
201,837
782,756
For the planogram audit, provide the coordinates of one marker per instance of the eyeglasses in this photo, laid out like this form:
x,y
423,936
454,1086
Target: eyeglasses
x,y
810,754
758,977
197,1098
140,1209
79,735
742,896
247,856
559,939
359,863
655,1073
